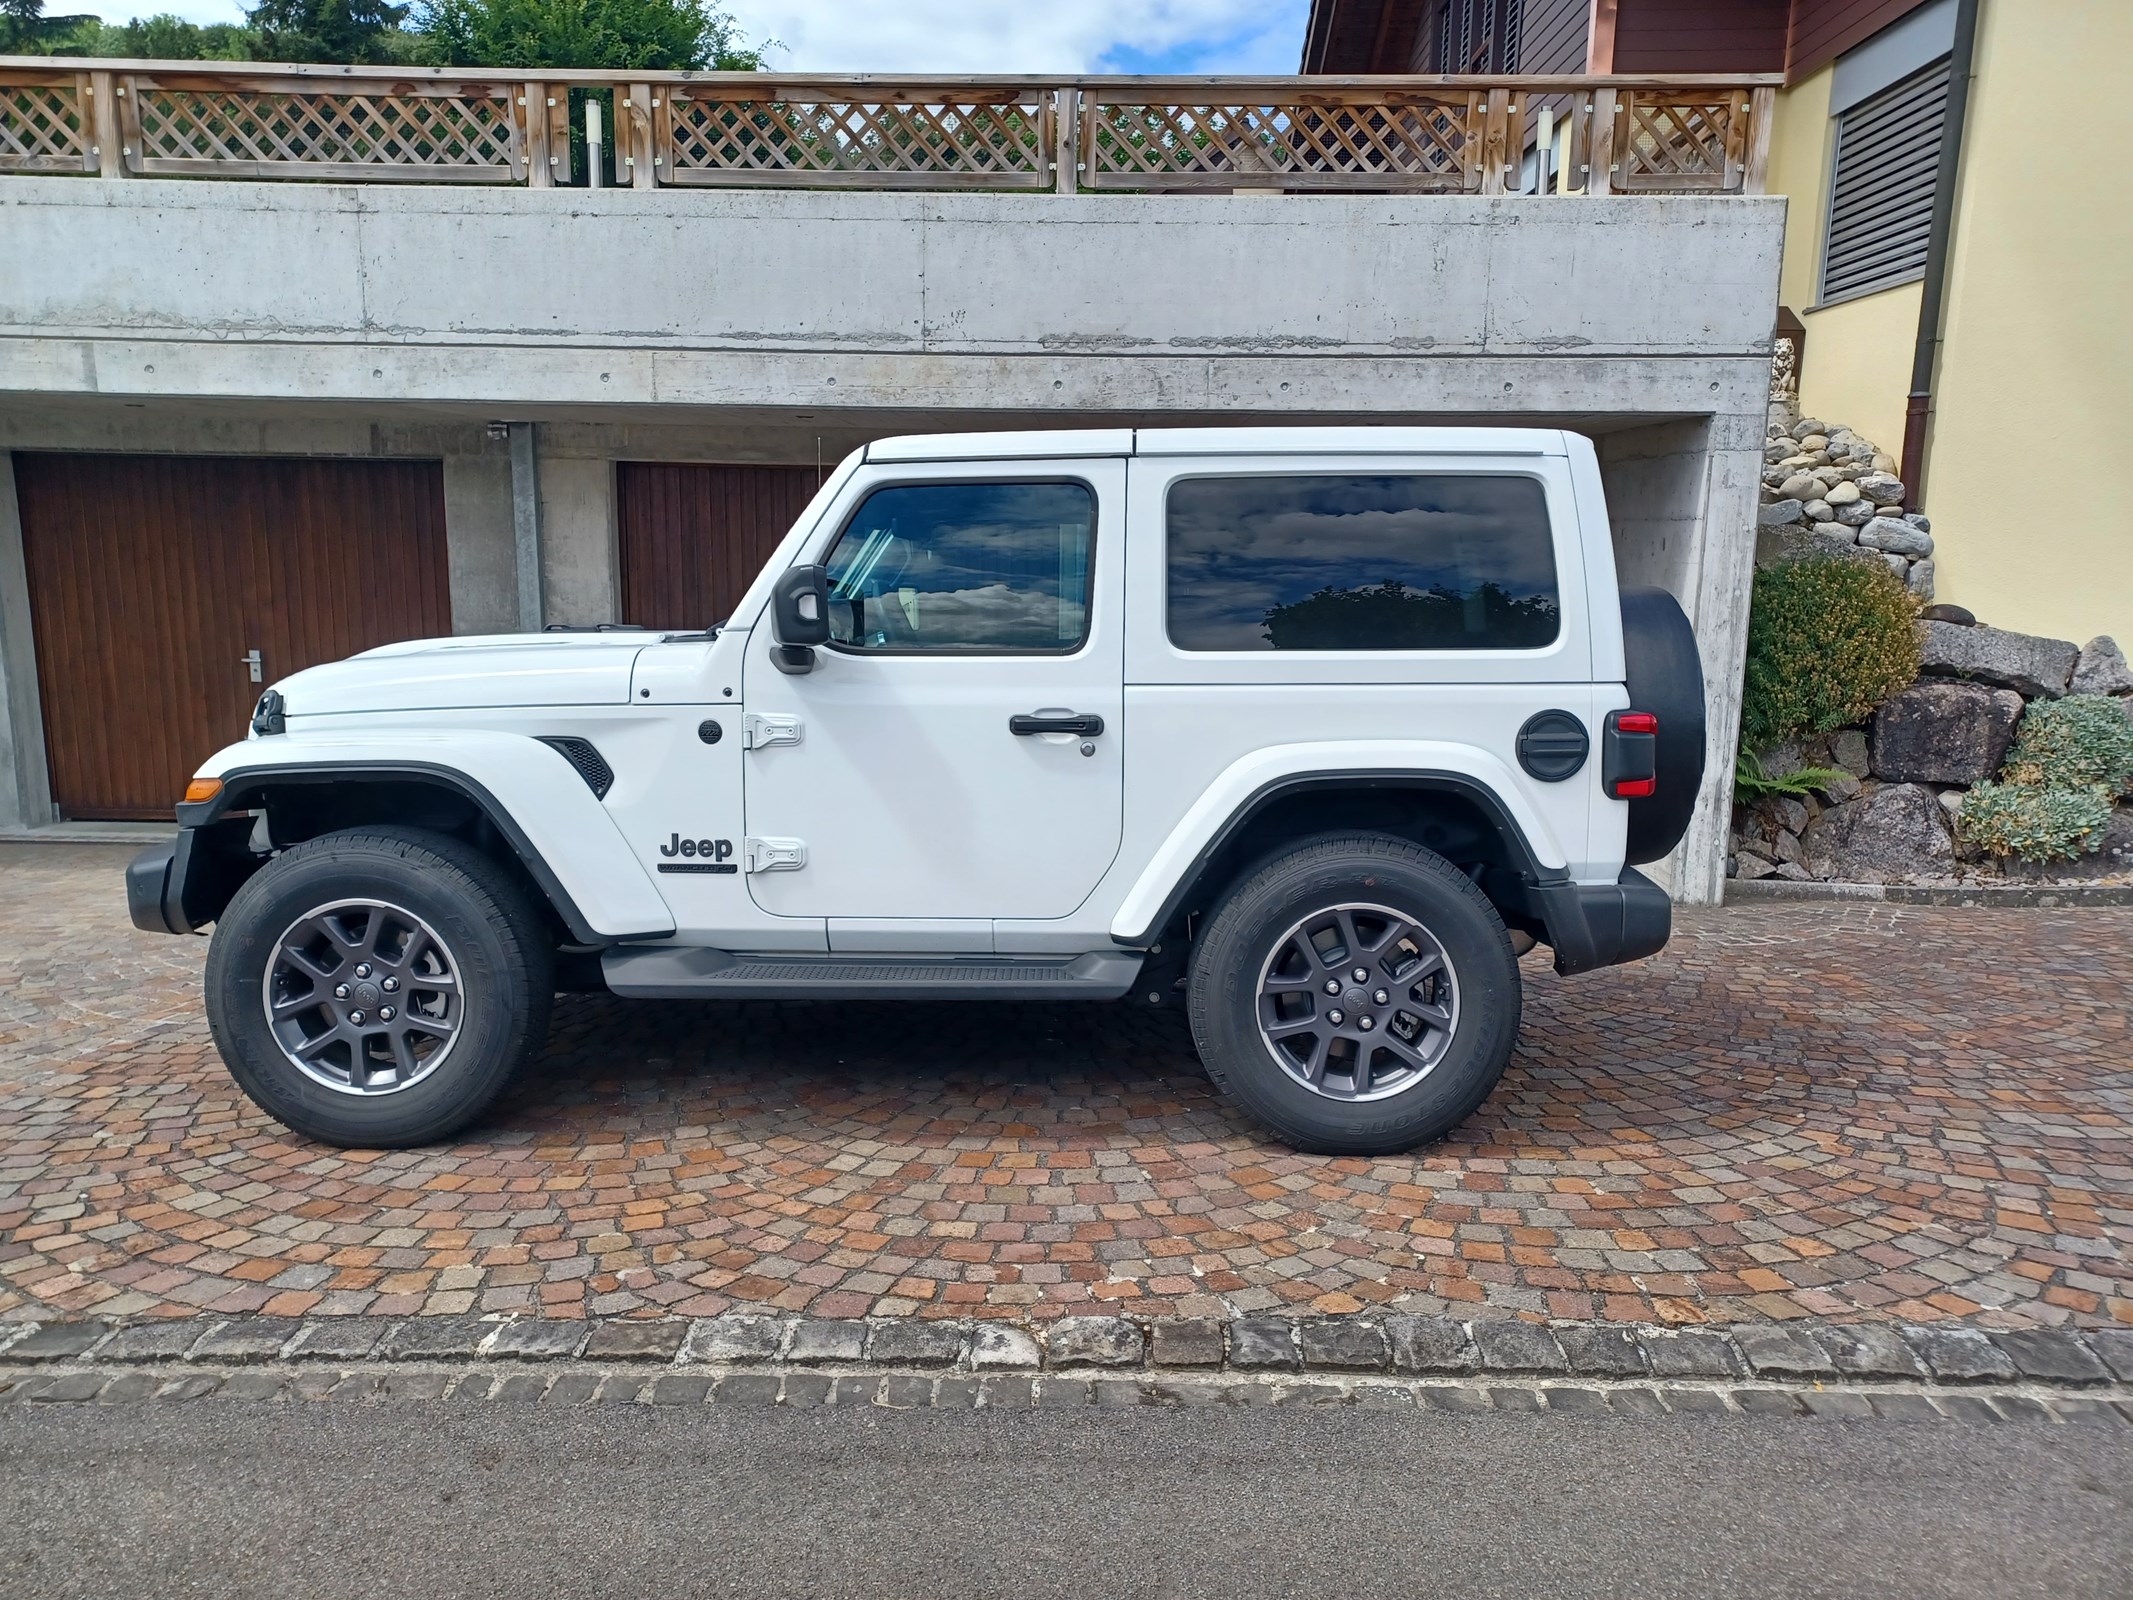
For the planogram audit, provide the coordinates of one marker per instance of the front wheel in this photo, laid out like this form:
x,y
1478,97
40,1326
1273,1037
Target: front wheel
x,y
378,988
1358,995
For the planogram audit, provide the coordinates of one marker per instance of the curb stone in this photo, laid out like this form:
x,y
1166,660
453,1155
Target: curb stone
x,y
1827,1354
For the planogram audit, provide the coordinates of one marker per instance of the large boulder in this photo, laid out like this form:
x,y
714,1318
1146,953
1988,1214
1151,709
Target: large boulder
x,y
2030,666
1887,835
1896,536
2102,669
1780,514
1941,732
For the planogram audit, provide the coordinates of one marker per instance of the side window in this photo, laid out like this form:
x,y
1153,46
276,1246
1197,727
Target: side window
x,y
965,566
1406,561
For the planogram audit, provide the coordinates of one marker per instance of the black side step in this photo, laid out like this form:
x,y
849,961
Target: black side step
x,y
690,972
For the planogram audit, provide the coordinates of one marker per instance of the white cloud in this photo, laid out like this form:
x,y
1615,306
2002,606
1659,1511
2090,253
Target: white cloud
x,y
1025,35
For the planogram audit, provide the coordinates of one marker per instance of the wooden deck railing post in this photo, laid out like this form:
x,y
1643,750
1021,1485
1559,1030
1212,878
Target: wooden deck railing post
x,y
542,160
1600,144
1496,143
108,137
1066,120
634,147
1762,109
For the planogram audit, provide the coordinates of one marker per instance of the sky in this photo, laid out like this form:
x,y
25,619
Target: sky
x,y
955,36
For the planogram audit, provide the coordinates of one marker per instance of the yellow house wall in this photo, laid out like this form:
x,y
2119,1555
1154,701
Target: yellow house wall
x,y
2029,483
2035,384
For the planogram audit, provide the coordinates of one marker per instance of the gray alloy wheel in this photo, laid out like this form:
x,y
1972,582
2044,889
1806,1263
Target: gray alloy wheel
x,y
363,997
1357,1002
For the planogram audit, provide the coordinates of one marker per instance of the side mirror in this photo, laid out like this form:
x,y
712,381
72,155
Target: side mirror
x,y
799,613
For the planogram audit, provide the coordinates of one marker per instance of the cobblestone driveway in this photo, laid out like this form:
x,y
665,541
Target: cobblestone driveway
x,y
1861,1112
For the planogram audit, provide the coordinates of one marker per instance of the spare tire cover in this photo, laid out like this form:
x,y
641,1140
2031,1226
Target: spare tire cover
x,y
1665,677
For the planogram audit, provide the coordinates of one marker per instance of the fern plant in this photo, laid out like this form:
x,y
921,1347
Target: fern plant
x,y
1751,783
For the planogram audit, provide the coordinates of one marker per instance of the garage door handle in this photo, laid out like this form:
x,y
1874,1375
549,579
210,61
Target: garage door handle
x,y
1085,725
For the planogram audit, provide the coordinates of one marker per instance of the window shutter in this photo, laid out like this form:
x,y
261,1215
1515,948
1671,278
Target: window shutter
x,y
1881,196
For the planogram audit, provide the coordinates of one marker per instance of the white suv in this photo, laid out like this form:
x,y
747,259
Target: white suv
x,y
1314,729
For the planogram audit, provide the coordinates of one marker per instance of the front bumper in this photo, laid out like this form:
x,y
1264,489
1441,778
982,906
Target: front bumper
x,y
181,886
1605,924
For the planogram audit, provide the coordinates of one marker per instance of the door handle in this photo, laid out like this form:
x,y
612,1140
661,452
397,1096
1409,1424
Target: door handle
x,y
1082,724
250,660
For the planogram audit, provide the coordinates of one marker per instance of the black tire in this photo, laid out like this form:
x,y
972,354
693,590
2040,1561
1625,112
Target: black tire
x,y
1247,937
493,940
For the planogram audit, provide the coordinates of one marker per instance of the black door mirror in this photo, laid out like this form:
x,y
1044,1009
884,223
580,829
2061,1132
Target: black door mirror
x,y
799,613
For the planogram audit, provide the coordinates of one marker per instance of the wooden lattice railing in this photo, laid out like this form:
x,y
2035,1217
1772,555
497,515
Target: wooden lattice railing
x,y
1567,135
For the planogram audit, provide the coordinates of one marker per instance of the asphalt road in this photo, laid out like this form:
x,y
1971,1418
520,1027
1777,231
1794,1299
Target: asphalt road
x,y
235,1499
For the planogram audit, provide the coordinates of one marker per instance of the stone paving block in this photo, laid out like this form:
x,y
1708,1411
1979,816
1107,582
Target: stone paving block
x,y
435,1339
738,1337
1430,1344
1694,1402
654,1340
2021,1408
1093,1342
1189,1395
1343,1344
572,1389
1006,1393
1601,1350
1310,1394
826,1341
266,1386
1450,1397
1117,1392
538,1340
2114,1348
193,1386
681,1389
129,1387
522,1387
314,1382
626,1388
906,1393
913,1342
1868,1350
1767,1402
1690,1353
1382,1397
1841,1405
1774,1351
473,1386
853,1391
1636,1403
1515,1399
1576,1402
1906,1408
337,1339
1959,1355
955,1394
2077,1410
153,1341
1967,1408
2052,1355
1518,1347
1186,1342
22,1386
414,1385
71,1388
1062,1394
806,1390
1259,1344
54,1341
245,1343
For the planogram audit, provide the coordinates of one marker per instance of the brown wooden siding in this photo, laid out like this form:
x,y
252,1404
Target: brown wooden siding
x,y
1555,36
1823,30
1700,35
152,576
693,537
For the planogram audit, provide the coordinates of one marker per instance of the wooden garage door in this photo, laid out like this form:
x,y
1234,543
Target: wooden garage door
x,y
694,537
151,578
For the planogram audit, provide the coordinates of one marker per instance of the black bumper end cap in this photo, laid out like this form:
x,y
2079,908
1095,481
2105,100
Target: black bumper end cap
x,y
148,889
1594,925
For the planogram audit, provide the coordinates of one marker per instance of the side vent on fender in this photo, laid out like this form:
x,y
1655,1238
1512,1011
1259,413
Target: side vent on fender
x,y
592,766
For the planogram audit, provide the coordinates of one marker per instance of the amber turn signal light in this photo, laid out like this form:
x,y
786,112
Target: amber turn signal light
x,y
202,789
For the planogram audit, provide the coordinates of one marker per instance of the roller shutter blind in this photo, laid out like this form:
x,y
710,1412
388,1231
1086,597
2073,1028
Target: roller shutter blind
x,y
1881,194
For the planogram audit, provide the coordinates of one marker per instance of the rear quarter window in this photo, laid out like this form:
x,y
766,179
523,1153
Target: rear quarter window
x,y
1390,561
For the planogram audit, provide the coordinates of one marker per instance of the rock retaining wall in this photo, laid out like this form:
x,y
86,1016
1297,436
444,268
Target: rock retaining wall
x,y
1826,488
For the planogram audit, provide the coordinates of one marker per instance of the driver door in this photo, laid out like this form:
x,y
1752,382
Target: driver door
x,y
959,742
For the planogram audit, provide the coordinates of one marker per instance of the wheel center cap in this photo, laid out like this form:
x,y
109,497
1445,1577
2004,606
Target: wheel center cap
x,y
366,995
1355,999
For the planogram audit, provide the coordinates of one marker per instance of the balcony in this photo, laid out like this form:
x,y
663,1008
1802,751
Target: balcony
x,y
1504,135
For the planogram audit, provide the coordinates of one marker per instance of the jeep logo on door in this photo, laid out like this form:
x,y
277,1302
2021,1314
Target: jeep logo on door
x,y
711,855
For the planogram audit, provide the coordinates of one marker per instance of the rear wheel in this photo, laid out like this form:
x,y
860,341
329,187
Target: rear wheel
x,y
379,987
1358,995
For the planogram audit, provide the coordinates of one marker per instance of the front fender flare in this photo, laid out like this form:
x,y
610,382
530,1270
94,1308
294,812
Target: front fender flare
x,y
559,830
1249,783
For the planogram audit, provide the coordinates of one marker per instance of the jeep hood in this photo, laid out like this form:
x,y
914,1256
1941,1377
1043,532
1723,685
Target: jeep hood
x,y
512,669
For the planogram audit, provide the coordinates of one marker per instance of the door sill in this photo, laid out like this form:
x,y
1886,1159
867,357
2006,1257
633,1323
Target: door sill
x,y
690,972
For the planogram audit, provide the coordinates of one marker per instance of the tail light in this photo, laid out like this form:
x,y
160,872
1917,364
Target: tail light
x,y
1629,755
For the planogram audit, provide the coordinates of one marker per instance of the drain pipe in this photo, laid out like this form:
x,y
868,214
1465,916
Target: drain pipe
x,y
1925,354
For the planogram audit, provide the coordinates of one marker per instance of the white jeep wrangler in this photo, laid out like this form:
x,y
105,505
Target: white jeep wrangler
x,y
1314,729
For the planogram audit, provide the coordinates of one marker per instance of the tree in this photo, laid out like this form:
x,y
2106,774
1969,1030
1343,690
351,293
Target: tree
x,y
362,32
164,38
650,35
26,31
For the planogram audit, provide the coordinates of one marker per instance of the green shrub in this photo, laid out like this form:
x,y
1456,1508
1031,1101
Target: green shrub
x,y
2083,740
2037,824
1829,639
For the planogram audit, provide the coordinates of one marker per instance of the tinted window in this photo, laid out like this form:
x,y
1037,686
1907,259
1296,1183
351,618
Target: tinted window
x,y
1395,562
965,566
